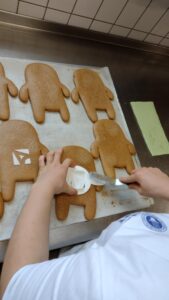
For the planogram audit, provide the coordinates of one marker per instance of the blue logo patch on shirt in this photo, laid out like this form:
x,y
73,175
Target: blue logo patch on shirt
x,y
153,222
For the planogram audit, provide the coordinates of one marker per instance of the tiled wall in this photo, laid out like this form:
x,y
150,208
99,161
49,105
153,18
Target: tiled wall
x,y
143,20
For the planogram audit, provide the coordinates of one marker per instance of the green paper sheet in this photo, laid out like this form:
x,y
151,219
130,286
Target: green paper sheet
x,y
151,127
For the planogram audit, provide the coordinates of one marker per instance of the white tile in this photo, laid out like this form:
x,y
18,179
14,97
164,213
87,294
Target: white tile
x,y
152,15
162,27
137,35
110,10
9,5
118,30
165,42
31,10
39,2
100,26
56,16
87,8
132,12
79,21
65,5
154,39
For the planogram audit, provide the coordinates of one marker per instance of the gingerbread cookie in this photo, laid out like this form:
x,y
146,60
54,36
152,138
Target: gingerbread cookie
x,y
20,149
112,147
83,158
1,206
93,93
6,86
45,91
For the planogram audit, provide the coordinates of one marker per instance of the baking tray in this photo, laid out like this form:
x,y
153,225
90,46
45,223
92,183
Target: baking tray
x,y
79,131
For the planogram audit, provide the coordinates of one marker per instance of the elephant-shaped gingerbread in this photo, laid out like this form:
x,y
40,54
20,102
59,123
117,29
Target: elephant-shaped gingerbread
x,y
93,93
45,91
6,86
19,153
112,147
81,157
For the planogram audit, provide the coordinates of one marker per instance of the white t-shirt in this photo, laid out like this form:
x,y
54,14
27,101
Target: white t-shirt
x,y
130,260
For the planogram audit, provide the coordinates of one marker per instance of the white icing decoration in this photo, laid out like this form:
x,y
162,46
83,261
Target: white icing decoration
x,y
78,178
28,161
15,160
26,151
19,158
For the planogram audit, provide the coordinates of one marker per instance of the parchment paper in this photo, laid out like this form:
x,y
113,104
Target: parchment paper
x,y
55,133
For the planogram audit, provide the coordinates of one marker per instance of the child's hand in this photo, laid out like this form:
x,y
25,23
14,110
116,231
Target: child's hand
x,y
52,173
148,182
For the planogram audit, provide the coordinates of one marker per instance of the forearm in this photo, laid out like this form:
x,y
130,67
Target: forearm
x,y
30,238
165,192
151,182
29,241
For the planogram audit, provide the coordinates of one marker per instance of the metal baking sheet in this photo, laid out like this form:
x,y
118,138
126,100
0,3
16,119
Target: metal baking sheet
x,y
79,132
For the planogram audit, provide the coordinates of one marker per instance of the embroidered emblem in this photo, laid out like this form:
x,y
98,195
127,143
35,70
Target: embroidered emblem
x,y
153,222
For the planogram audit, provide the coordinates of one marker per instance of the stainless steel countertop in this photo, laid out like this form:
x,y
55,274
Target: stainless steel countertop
x,y
140,72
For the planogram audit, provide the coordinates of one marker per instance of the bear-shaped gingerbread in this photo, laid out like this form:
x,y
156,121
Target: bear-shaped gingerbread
x,y
112,147
20,149
83,158
93,93
6,86
45,91
1,206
